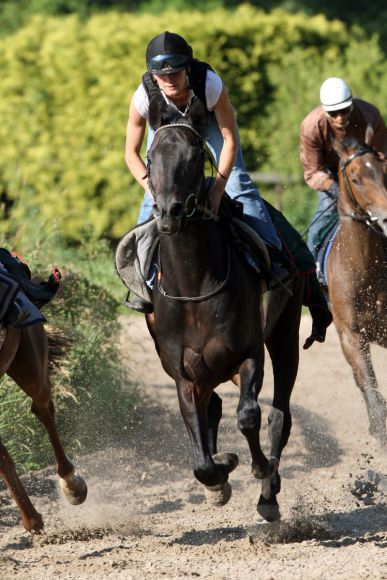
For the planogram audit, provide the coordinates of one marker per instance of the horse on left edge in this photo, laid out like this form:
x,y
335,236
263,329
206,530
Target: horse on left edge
x,y
25,357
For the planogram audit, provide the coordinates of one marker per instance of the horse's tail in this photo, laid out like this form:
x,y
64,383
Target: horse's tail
x,y
58,346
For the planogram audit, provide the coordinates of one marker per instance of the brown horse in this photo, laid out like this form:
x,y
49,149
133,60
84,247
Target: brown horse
x,y
24,356
357,269
208,324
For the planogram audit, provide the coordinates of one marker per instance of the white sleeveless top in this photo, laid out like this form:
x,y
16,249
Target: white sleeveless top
x,y
213,89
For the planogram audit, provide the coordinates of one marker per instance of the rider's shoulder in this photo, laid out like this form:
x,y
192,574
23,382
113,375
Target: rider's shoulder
x,y
314,120
366,107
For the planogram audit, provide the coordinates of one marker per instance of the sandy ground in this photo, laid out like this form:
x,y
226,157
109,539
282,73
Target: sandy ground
x,y
146,516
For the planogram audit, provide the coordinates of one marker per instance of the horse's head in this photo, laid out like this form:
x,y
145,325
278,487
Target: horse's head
x,y
362,182
176,163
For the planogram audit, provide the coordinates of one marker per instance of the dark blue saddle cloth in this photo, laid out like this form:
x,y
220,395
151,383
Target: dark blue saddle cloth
x,y
40,293
323,252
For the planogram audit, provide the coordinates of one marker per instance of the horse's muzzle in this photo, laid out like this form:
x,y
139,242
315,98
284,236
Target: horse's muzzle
x,y
169,220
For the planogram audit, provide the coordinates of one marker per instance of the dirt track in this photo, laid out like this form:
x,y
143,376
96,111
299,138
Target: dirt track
x,y
146,517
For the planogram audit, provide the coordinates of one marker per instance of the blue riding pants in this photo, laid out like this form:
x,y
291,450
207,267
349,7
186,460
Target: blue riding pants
x,y
239,186
326,208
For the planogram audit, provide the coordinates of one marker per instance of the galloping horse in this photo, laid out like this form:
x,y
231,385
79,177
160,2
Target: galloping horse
x,y
357,269
208,324
24,356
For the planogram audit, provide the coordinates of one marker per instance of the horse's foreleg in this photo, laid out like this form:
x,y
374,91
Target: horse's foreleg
x,y
72,484
249,413
357,352
194,409
32,520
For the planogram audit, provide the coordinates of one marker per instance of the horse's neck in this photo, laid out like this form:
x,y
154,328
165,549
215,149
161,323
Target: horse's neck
x,y
195,258
358,241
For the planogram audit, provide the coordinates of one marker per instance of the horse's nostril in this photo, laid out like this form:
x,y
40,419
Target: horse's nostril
x,y
176,210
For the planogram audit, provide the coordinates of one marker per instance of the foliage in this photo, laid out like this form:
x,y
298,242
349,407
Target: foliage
x,y
67,86
93,396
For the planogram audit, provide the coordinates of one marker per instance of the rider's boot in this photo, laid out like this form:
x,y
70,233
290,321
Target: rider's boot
x,y
14,316
139,304
316,300
280,267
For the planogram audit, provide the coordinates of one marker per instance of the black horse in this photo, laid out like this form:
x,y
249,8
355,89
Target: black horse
x,y
209,325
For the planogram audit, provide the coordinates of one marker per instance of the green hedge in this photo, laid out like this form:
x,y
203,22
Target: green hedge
x,y
66,86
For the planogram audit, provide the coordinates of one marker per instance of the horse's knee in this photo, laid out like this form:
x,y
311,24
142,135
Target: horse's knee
x,y
43,410
249,416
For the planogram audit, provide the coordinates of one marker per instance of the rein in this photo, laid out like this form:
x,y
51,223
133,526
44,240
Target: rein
x,y
193,298
360,216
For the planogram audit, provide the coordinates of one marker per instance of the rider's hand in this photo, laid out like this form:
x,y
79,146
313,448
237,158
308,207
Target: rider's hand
x,y
215,195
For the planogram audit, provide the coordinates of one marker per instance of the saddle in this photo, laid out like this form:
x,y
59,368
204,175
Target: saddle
x,y
136,252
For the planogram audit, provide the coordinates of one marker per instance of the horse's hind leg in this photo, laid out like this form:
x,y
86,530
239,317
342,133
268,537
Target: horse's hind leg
x,y
72,484
30,371
249,412
32,520
283,347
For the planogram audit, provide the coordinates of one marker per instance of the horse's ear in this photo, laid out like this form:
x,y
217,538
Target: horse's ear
x,y
156,112
197,115
160,113
369,135
338,147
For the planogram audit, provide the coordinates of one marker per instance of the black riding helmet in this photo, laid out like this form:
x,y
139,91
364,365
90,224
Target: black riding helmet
x,y
168,53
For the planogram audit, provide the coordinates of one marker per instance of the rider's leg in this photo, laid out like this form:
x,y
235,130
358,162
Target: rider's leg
x,y
322,217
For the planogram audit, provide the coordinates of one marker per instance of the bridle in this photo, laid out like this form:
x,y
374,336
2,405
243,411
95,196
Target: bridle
x,y
359,215
196,207
196,204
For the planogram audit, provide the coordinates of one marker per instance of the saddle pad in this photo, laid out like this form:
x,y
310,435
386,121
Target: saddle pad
x,y
8,291
134,256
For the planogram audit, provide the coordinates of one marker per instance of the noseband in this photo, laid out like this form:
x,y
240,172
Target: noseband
x,y
194,201
359,215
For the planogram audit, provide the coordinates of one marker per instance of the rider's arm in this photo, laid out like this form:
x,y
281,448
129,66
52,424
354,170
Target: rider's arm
x,y
225,117
135,132
316,175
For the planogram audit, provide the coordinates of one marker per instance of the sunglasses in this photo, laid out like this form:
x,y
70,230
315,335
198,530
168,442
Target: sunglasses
x,y
161,61
340,112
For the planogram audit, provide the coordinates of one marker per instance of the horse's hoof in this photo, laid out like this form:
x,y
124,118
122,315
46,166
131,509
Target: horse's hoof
x,y
218,495
74,488
268,509
229,460
34,524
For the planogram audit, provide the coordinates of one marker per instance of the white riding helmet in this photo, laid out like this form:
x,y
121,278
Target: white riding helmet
x,y
335,94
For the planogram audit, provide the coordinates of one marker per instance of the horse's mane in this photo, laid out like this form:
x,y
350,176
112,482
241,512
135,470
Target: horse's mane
x,y
352,143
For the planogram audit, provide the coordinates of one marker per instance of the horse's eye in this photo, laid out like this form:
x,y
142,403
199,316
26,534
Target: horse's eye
x,y
356,180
